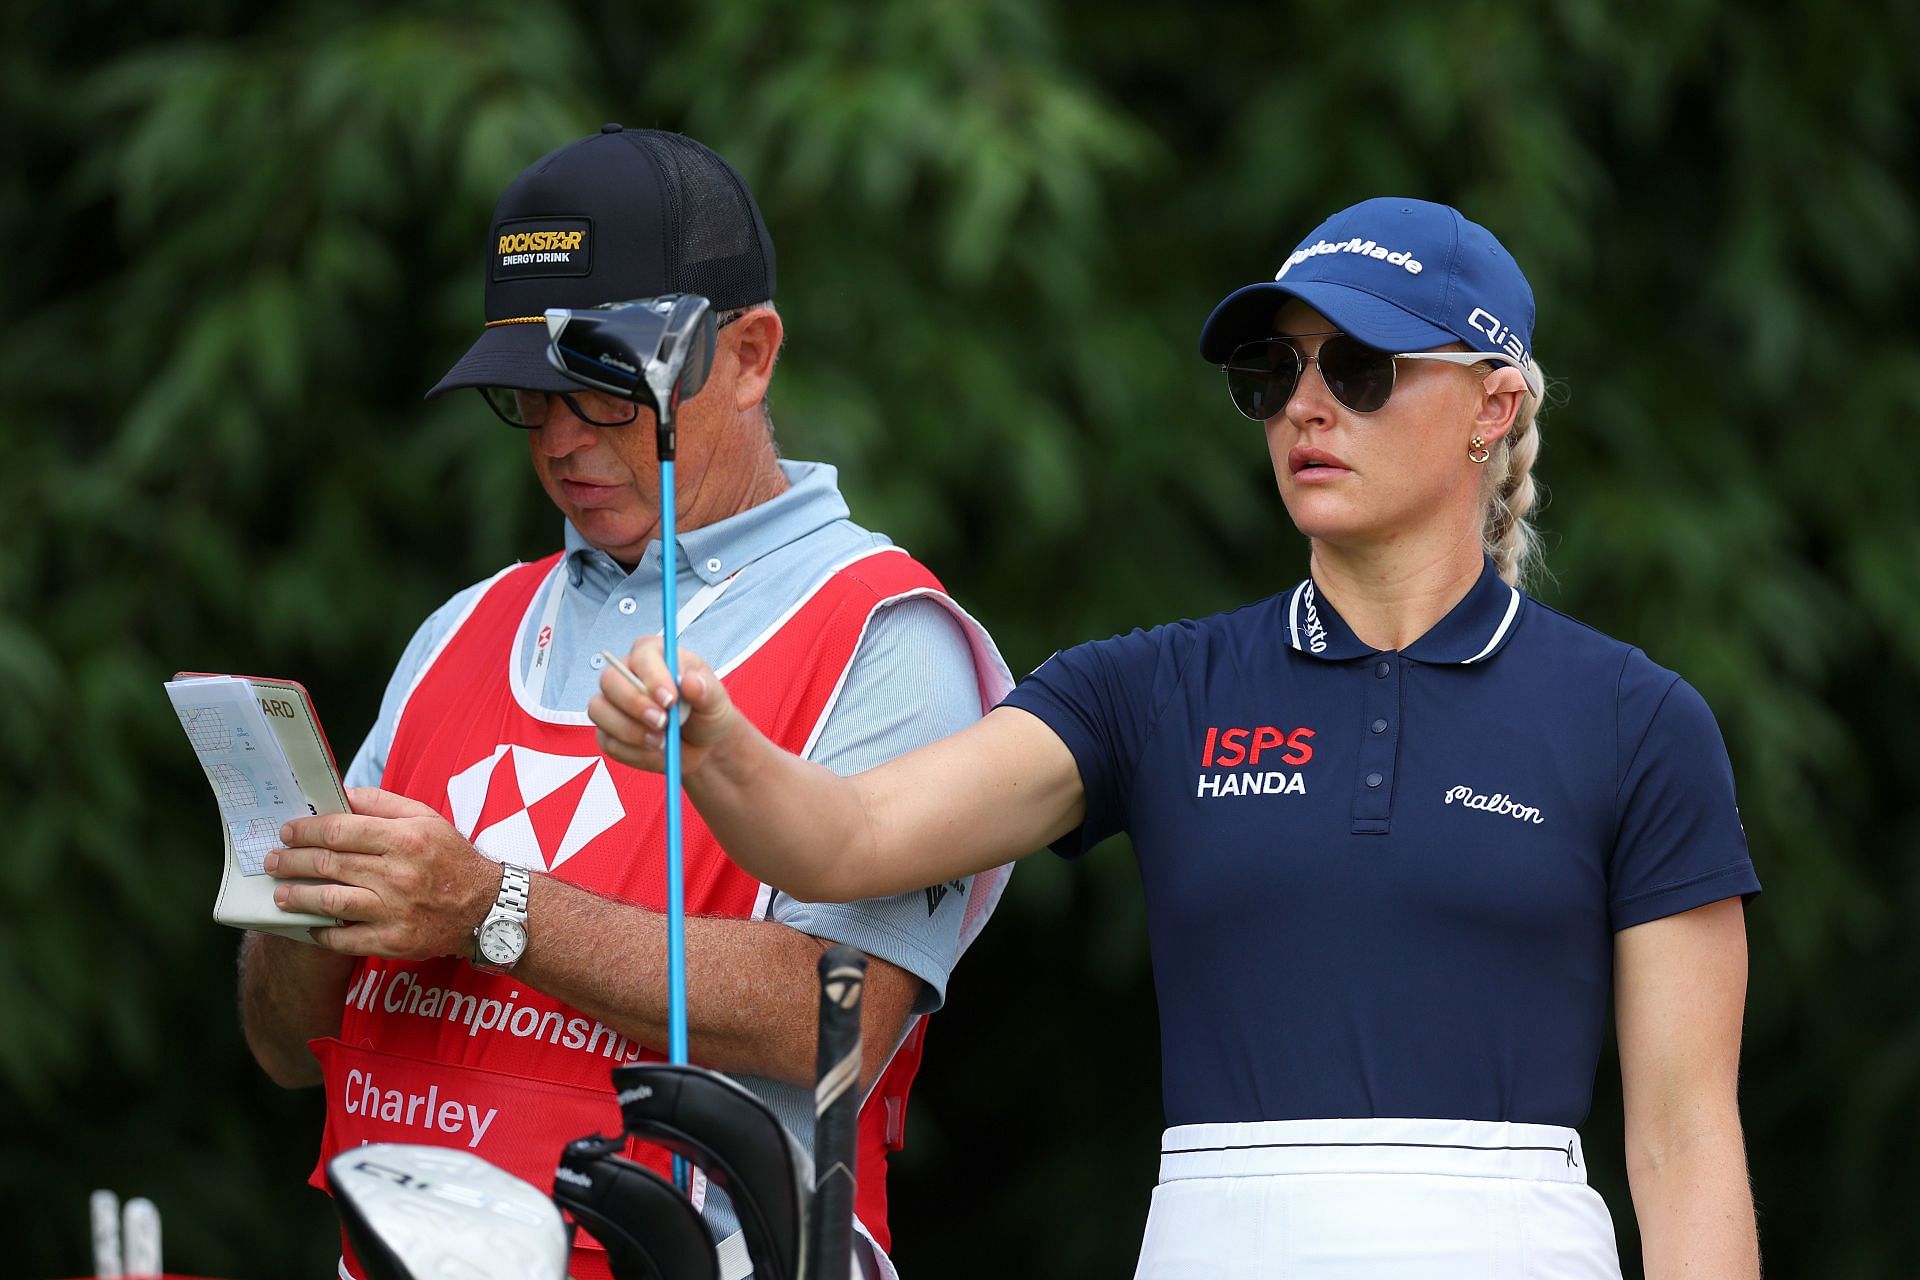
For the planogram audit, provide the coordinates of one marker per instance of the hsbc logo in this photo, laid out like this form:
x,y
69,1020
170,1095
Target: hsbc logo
x,y
532,808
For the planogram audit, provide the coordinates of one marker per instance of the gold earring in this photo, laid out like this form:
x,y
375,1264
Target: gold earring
x,y
1478,451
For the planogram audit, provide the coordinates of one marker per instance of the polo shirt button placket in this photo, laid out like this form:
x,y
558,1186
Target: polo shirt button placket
x,y
1379,744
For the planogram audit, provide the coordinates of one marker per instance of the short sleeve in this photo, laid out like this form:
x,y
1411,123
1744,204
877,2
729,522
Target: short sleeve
x,y
1103,699
912,681
369,764
1680,843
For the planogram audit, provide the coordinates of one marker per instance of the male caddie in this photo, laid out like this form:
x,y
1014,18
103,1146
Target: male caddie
x,y
482,795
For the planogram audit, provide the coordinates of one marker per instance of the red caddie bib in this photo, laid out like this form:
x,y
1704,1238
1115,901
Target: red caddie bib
x,y
436,1052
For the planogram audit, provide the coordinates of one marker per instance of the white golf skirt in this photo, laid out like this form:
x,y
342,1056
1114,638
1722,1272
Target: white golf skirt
x,y
1376,1200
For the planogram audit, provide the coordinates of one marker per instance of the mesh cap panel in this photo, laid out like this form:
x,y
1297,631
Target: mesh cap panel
x,y
717,246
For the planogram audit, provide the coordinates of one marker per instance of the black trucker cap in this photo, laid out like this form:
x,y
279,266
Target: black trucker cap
x,y
622,213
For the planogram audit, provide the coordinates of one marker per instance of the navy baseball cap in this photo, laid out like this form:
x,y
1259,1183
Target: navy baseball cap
x,y
1399,275
622,213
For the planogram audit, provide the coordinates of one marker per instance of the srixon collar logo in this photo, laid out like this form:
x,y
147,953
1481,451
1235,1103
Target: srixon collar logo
x,y
532,808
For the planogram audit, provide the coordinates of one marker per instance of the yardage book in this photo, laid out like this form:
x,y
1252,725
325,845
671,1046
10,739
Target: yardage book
x,y
267,762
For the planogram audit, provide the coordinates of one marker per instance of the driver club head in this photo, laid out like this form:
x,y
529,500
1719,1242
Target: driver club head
x,y
419,1213
655,351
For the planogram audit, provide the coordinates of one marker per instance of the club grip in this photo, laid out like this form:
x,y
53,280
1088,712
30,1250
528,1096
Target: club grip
x,y
836,1112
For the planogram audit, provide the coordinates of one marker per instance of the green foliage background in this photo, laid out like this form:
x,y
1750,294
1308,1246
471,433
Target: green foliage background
x,y
243,239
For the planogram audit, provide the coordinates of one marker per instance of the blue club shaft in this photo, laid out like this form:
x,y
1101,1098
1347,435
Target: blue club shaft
x,y
676,890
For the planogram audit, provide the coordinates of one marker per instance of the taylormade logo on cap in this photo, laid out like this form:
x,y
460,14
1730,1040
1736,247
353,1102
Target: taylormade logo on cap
x,y
1366,248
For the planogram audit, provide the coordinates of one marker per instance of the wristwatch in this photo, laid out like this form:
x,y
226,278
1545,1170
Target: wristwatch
x,y
501,938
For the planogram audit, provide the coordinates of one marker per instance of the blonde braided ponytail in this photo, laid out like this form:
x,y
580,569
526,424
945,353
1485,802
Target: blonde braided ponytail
x,y
1507,534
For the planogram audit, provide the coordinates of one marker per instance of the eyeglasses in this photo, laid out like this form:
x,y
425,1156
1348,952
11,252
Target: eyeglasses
x,y
530,409
1261,376
519,407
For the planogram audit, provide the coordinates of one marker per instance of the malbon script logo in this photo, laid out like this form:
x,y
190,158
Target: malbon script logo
x,y
1499,802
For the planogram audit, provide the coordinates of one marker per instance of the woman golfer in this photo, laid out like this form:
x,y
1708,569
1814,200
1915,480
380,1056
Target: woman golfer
x,y
1404,832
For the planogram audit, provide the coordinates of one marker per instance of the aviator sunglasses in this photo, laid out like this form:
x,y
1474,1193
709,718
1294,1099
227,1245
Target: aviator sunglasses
x,y
1261,375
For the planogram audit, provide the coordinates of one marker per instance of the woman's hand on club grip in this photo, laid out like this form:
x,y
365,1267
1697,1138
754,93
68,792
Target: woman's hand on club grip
x,y
632,721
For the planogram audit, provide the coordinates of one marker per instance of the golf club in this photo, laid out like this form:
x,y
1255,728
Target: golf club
x,y
836,1113
656,352
795,1212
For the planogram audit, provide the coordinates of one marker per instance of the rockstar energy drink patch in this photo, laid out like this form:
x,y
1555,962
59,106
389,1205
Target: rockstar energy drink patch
x,y
542,247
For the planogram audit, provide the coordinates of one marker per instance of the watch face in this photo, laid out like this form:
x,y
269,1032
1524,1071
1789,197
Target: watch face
x,y
502,941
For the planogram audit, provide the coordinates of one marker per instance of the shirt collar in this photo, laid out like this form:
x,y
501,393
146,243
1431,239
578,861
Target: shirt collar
x,y
719,550
1472,631
1314,628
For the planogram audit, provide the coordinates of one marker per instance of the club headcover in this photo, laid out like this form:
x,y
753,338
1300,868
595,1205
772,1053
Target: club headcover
x,y
416,1213
648,1228
737,1142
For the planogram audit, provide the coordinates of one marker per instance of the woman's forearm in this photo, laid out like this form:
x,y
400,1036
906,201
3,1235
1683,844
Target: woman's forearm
x,y
1680,985
1695,1209
995,791
788,821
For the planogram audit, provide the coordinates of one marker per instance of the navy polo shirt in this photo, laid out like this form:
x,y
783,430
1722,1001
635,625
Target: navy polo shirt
x,y
1387,883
